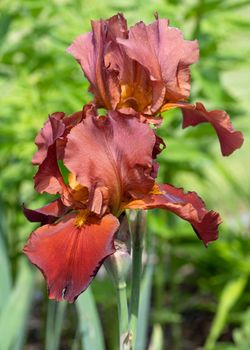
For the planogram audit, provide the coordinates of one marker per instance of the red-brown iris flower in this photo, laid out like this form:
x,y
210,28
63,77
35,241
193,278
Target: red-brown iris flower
x,y
146,68
111,167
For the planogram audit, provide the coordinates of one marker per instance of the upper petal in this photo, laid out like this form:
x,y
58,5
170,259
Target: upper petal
x,y
70,256
188,206
229,139
89,50
112,156
164,53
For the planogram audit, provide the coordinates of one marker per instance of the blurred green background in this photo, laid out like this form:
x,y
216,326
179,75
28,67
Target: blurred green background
x,y
195,298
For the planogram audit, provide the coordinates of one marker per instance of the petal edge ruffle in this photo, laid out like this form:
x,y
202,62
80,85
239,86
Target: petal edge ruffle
x,y
189,206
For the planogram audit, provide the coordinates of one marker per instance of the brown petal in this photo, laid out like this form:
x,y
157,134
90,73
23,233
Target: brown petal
x,y
165,54
47,214
89,50
48,177
70,256
188,206
112,157
52,130
229,139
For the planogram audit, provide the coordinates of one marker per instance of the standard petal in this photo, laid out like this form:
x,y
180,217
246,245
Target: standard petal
x,y
165,54
111,156
70,256
89,50
229,139
47,214
188,206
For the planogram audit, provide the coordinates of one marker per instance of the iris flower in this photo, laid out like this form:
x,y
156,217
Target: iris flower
x,y
146,69
111,166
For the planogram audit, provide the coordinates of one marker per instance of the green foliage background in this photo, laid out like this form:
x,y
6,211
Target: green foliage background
x,y
196,297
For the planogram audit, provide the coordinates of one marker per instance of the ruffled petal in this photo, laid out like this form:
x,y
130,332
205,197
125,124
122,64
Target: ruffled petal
x,y
165,54
112,157
47,214
70,256
52,130
51,141
229,139
48,177
188,206
89,50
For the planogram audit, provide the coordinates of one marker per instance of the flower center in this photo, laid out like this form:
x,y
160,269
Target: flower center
x,y
81,217
79,192
135,97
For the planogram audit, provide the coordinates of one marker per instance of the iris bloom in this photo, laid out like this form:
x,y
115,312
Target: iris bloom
x,y
111,163
146,69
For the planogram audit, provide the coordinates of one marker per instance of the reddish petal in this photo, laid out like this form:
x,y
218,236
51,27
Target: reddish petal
x,y
48,177
188,206
111,156
165,54
52,130
159,146
51,142
229,139
47,214
89,51
68,256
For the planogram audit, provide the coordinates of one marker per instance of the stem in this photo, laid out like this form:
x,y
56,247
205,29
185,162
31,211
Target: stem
x,y
122,314
117,266
137,240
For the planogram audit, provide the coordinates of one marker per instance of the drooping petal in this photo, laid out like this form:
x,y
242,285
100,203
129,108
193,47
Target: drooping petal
x,y
229,139
70,256
47,214
112,157
188,206
165,54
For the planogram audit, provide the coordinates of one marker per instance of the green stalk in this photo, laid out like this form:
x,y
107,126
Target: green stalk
x,y
117,266
137,247
123,315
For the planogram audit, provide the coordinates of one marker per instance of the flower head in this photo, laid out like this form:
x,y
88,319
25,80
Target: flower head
x,y
111,167
145,70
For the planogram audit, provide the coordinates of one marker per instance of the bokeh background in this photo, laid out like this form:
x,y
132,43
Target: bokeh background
x,y
192,297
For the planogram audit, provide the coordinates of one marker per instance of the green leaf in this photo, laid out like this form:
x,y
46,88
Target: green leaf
x,y
5,273
15,312
157,339
89,322
144,305
229,296
55,316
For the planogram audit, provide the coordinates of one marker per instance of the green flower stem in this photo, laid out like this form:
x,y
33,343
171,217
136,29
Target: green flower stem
x,y
117,266
135,292
137,247
123,315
